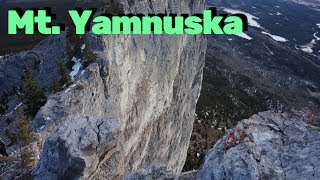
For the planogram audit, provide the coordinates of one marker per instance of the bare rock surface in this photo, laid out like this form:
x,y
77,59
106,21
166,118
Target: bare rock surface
x,y
155,171
133,108
266,146
43,60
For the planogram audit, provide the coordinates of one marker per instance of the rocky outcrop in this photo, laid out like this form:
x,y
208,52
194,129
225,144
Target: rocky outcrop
x,y
42,60
266,146
132,108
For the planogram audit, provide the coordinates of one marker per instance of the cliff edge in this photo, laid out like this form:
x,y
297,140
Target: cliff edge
x,y
134,107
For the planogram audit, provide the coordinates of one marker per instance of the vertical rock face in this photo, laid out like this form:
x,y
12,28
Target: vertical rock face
x,y
133,108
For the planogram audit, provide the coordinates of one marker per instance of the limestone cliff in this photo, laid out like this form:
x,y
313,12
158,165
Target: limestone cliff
x,y
132,108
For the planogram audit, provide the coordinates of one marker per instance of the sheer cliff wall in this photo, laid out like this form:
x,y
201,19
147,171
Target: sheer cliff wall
x,y
135,107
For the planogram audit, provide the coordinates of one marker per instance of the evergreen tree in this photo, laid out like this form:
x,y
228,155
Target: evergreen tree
x,y
25,132
74,41
71,36
114,8
69,50
9,121
65,77
11,136
88,55
27,157
55,85
4,103
33,95
25,138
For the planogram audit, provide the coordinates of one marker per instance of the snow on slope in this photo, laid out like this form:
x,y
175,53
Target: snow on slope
x,y
76,67
245,36
315,36
275,37
309,46
252,22
251,18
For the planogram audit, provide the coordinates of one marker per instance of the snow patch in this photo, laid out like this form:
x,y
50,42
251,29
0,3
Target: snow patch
x,y
82,72
251,18
15,108
308,83
18,106
275,37
318,25
278,14
268,49
308,47
244,36
67,90
315,36
82,47
76,67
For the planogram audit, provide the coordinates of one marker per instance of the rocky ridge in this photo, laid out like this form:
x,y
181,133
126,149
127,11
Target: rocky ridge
x,y
266,146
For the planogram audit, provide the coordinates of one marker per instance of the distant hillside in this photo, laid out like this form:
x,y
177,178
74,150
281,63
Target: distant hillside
x,y
16,43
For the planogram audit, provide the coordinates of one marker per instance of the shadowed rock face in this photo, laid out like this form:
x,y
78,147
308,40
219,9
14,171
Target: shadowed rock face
x,y
136,106
3,151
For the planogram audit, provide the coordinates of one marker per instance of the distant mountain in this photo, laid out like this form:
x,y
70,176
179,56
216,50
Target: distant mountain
x,y
16,43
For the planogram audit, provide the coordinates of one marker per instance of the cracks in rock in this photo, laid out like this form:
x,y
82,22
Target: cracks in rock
x,y
280,161
98,134
102,160
96,130
275,129
104,77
